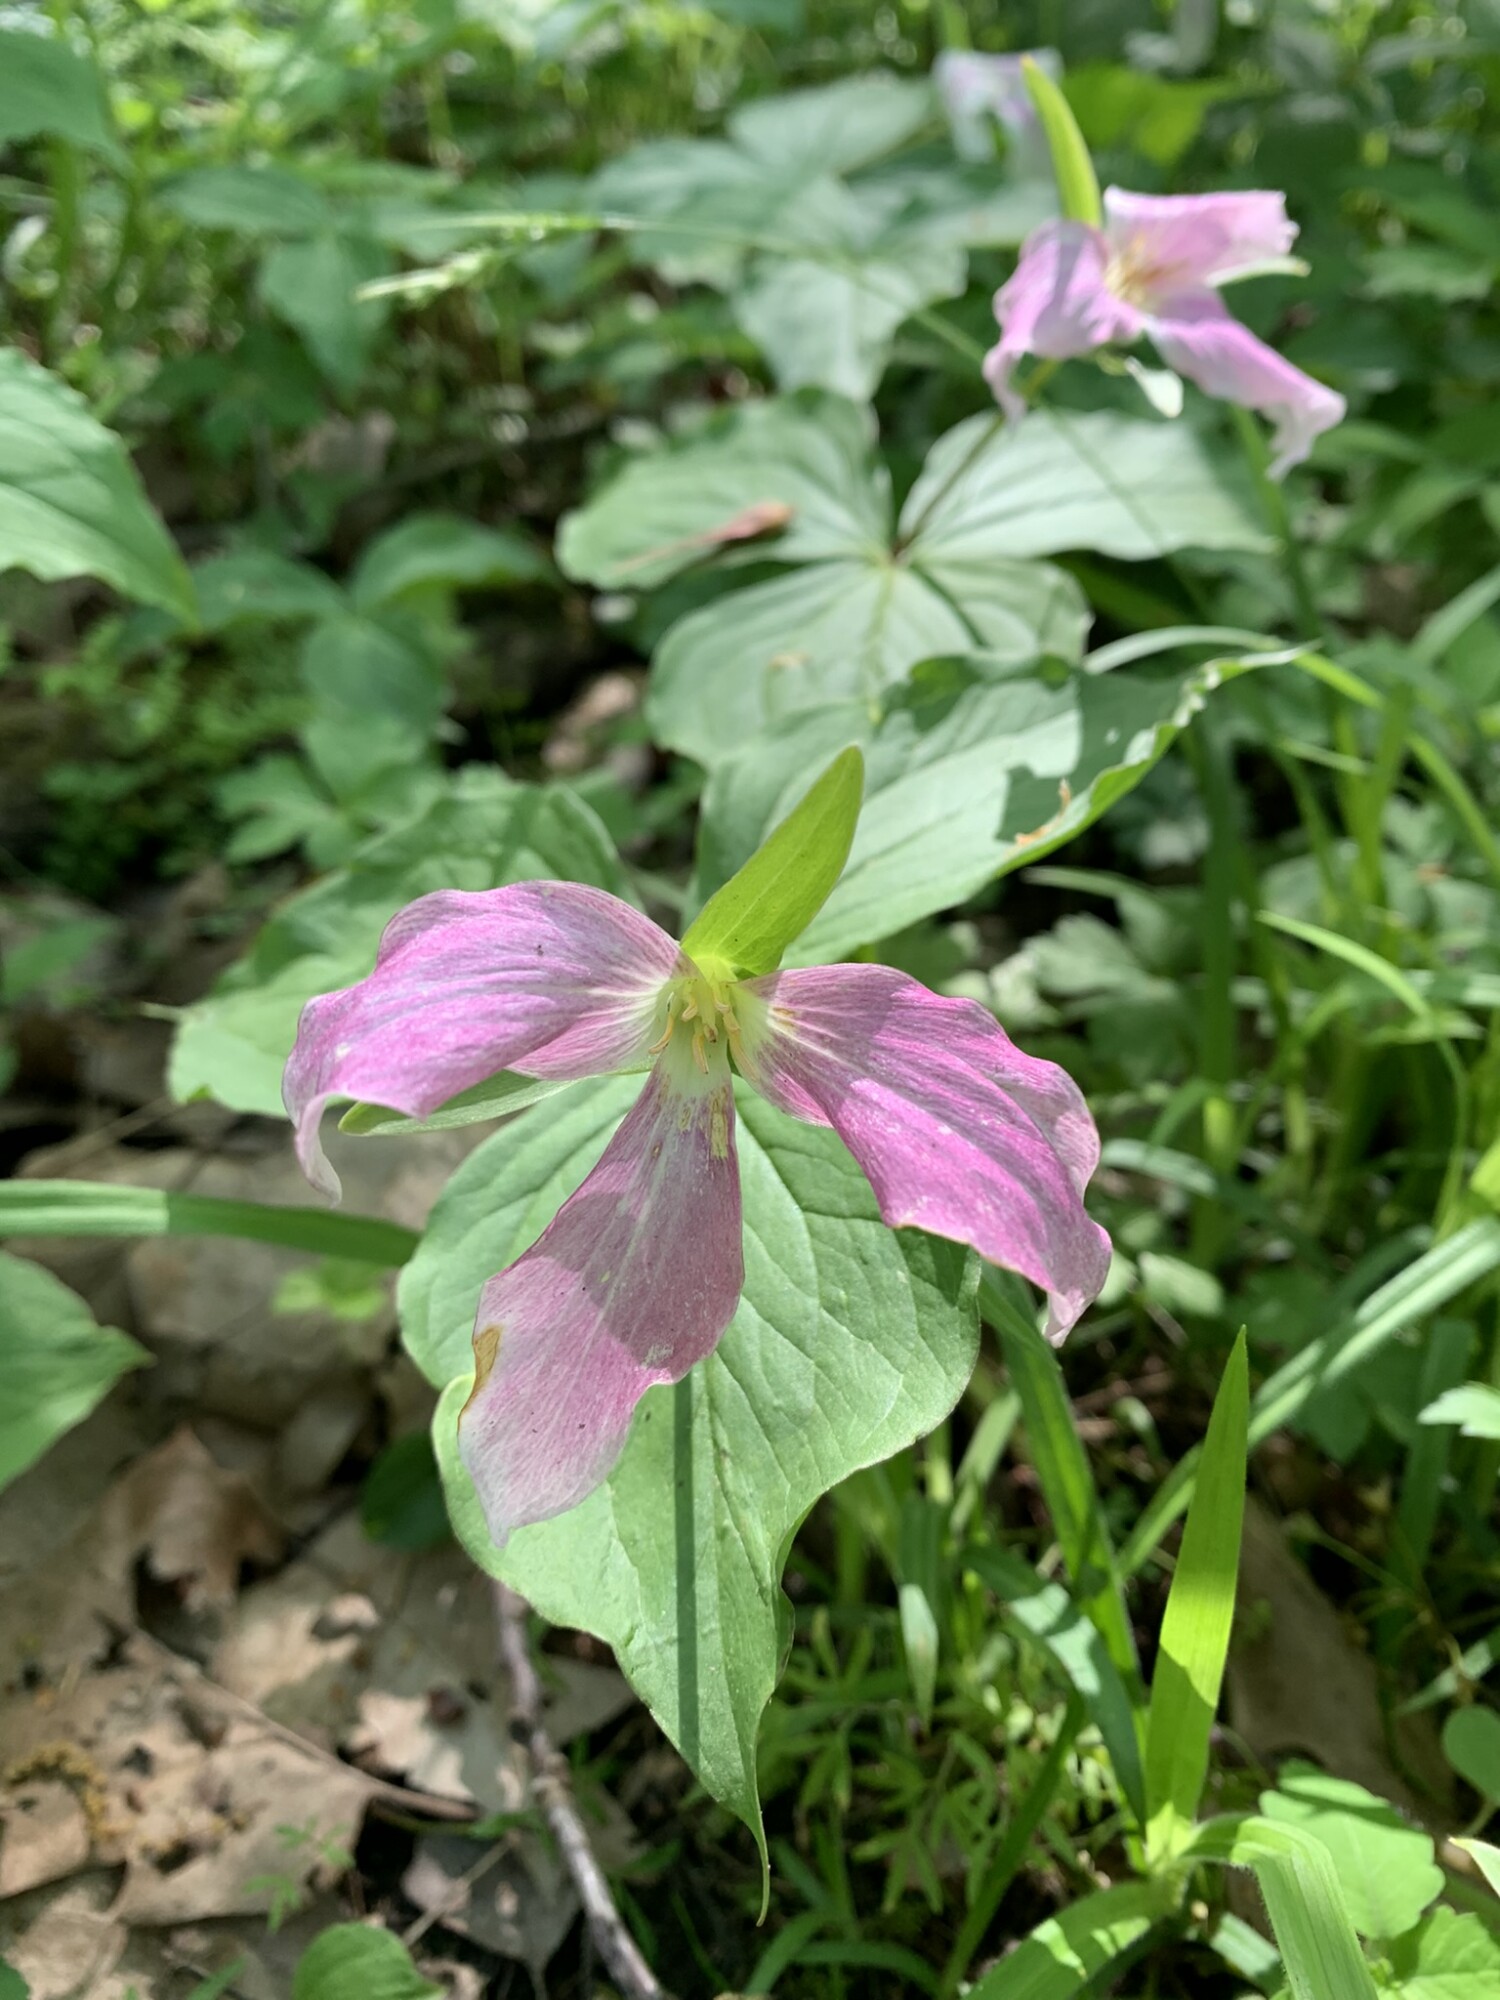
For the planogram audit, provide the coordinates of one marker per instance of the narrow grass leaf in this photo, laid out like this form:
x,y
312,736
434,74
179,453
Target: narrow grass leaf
x,y
96,1208
1049,1616
1199,1613
1319,1948
1065,1954
1063,1470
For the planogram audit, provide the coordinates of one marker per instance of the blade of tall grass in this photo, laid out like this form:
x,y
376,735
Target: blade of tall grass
x,y
97,1208
1199,1613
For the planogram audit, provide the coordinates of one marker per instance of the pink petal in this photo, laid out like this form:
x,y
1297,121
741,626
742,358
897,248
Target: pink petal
x,y
1168,243
1197,335
553,978
957,1131
631,1283
1056,304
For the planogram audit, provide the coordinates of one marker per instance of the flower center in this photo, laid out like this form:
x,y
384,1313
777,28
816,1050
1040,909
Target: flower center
x,y
1132,274
701,1003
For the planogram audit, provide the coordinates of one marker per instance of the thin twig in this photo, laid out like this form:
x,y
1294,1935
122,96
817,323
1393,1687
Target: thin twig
x,y
549,1784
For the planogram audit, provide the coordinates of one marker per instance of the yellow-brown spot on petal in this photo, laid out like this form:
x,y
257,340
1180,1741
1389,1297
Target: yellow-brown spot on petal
x,y
486,1347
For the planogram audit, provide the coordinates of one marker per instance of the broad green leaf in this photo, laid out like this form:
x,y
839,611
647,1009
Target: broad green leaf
x,y
1158,116
1047,1613
70,502
835,128
313,285
866,600
1386,1871
1064,1956
248,584
497,1097
481,834
1449,1957
827,321
846,631
1112,484
252,201
1200,1610
971,771
1305,1900
355,666
445,550
658,515
56,1363
100,1208
48,89
1471,1743
401,1504
1485,1857
850,1341
1077,183
1473,1406
354,1962
771,900
12,1985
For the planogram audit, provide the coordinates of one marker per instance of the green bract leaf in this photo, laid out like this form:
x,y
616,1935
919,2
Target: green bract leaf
x,y
749,923
1385,1868
972,770
70,502
1077,183
49,89
353,1962
1200,1610
55,1362
851,1340
481,834
867,597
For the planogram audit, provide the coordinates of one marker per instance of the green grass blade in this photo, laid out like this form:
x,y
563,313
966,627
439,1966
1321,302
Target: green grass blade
x,y
497,1097
1049,1616
1063,1955
1317,1941
1199,1613
1063,1469
1426,1284
95,1208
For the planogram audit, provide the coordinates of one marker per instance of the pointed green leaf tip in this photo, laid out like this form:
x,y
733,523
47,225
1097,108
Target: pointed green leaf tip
x,y
749,923
1077,183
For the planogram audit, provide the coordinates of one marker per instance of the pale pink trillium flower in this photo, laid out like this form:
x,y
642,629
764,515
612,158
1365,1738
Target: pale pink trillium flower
x,y
974,88
1154,268
639,1272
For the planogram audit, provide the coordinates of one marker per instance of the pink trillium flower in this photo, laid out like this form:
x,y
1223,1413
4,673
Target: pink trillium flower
x,y
1154,268
639,1272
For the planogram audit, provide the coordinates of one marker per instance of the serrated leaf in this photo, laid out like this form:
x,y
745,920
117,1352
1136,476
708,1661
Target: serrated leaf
x,y
850,1341
750,921
1200,1611
56,1362
482,833
70,501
